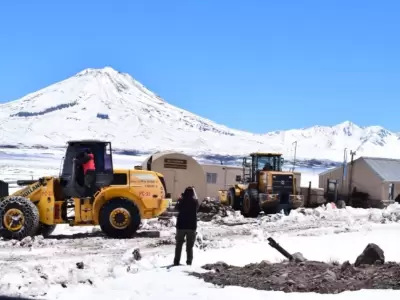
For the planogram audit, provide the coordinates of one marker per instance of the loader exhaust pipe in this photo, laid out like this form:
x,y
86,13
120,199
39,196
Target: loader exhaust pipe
x,y
26,182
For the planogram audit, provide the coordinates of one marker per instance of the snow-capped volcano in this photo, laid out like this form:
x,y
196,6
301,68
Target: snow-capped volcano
x,y
107,104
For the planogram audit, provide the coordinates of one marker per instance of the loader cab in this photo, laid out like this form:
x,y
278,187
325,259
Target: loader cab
x,y
72,175
257,162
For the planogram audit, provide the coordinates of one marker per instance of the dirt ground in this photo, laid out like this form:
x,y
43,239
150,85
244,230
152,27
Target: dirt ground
x,y
308,276
209,209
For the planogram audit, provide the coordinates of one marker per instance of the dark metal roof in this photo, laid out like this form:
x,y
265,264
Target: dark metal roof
x,y
388,169
88,141
265,154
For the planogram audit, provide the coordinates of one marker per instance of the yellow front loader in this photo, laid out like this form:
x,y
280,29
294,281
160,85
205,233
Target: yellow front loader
x,y
121,198
263,186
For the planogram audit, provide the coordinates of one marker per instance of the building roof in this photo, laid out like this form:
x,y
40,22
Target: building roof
x,y
265,154
223,166
388,169
331,170
159,154
87,141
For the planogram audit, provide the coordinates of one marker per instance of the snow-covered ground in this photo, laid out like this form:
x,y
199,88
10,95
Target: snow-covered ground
x,y
47,268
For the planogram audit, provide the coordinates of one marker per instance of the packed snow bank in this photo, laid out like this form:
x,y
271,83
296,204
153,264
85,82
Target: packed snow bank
x,y
327,216
48,267
152,281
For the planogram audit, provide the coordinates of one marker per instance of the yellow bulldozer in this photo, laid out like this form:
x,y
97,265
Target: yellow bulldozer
x,y
262,187
120,200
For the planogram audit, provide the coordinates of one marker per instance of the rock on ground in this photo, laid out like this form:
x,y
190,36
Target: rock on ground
x,y
306,276
372,254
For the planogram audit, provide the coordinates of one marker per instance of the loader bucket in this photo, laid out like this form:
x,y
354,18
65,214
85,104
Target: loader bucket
x,y
3,189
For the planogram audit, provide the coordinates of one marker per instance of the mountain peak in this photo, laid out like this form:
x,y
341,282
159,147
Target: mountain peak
x,y
346,124
106,70
106,104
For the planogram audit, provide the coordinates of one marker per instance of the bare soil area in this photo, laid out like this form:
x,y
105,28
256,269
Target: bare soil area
x,y
308,276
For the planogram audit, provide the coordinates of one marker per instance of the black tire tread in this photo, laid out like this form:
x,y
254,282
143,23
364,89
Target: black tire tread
x,y
235,202
341,204
31,215
104,222
255,208
45,230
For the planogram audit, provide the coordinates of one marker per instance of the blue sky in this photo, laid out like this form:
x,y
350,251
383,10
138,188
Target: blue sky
x,y
253,65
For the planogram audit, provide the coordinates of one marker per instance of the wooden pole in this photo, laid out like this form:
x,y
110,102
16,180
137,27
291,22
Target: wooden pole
x,y
352,153
295,152
344,168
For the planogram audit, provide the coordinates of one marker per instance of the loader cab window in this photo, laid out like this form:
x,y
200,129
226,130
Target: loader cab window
x,y
269,163
73,179
102,156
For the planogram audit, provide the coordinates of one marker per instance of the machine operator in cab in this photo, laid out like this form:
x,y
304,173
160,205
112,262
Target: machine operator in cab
x,y
86,160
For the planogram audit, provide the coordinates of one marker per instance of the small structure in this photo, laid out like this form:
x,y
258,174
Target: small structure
x,y
179,170
220,177
375,176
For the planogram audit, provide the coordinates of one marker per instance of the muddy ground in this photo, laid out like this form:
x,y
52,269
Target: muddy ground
x,y
308,276
210,209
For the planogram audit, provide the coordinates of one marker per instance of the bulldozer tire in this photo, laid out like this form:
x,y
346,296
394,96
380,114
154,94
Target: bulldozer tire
x,y
19,218
341,204
270,210
251,207
45,230
119,218
234,201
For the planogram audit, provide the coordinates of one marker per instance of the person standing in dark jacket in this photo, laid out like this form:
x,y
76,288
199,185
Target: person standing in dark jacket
x,y
186,225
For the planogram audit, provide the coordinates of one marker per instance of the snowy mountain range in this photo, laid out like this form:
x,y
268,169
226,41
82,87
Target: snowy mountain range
x,y
107,104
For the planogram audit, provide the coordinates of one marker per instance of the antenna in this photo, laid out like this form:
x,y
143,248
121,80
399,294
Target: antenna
x,y
344,164
62,160
295,152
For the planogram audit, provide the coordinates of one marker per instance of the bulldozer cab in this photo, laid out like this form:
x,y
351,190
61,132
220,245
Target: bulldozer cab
x,y
72,177
257,162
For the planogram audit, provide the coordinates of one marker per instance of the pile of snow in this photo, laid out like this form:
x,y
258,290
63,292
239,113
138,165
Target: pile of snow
x,y
153,281
94,267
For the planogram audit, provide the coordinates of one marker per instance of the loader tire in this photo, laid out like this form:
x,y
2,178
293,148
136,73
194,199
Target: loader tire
x,y
341,204
233,201
251,206
45,230
119,218
25,214
270,210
